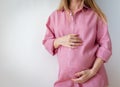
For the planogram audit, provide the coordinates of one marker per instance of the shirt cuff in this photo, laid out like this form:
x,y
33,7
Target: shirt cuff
x,y
49,45
103,53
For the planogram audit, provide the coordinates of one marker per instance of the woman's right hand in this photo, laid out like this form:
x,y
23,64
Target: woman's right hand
x,y
70,40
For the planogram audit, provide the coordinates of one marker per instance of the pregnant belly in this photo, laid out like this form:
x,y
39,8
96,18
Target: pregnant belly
x,y
75,59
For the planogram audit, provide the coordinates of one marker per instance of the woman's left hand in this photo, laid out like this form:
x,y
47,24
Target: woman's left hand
x,y
83,76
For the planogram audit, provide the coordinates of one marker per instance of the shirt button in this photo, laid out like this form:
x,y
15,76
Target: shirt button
x,y
70,14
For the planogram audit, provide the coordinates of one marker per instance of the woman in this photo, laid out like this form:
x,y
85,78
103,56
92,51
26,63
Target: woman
x,y
78,33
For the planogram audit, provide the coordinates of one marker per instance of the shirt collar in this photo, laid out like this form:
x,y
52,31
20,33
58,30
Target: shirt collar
x,y
80,9
85,6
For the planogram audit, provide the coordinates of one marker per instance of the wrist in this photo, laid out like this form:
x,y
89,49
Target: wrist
x,y
94,71
97,65
57,42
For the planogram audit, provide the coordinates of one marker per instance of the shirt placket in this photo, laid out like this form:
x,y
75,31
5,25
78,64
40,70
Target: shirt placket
x,y
72,21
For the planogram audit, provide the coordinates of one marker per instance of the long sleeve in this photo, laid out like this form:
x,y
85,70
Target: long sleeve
x,y
103,39
49,37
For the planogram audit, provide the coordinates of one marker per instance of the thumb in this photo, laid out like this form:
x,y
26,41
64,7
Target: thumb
x,y
74,34
78,74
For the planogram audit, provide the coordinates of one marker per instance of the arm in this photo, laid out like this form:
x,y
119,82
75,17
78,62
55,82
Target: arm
x,y
103,53
97,64
49,37
103,39
105,46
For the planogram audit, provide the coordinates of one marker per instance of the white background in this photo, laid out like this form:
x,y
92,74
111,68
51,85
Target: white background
x,y
24,62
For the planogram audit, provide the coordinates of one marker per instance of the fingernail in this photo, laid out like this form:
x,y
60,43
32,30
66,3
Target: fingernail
x,y
72,79
81,44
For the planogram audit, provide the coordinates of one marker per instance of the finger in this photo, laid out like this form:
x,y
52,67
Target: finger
x,y
79,80
75,44
76,80
71,46
83,79
79,73
76,40
74,35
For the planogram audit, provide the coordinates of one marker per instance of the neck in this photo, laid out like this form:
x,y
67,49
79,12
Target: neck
x,y
75,4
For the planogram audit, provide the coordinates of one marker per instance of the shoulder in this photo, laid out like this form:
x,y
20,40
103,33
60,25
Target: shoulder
x,y
95,15
90,15
55,16
98,18
91,12
55,13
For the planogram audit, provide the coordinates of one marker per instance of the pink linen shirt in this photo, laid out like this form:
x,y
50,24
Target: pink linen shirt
x,y
96,43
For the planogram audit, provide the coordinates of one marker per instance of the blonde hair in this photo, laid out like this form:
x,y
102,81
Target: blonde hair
x,y
64,4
